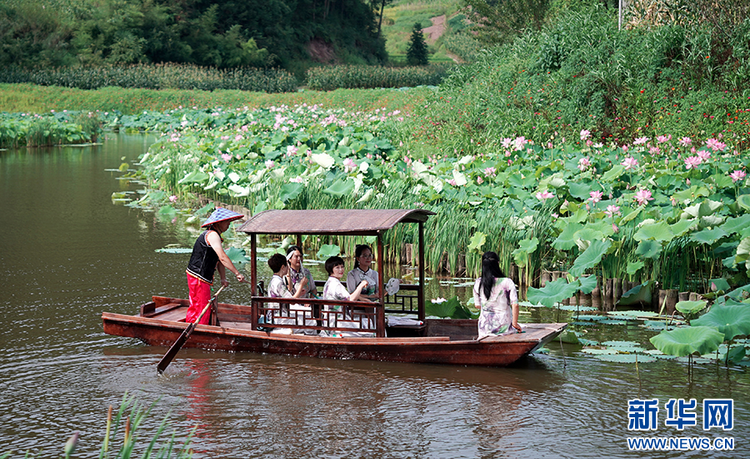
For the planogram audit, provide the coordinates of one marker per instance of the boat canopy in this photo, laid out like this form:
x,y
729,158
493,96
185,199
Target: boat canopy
x,y
332,221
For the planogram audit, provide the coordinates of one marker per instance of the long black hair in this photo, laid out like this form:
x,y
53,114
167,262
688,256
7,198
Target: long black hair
x,y
490,271
358,253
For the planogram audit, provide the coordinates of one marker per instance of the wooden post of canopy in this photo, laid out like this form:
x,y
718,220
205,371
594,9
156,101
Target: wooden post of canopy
x,y
420,292
254,283
380,311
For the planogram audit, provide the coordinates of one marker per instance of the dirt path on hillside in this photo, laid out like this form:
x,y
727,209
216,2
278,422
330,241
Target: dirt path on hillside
x,y
435,31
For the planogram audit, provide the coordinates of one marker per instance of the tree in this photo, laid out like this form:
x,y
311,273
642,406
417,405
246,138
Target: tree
x,y
416,54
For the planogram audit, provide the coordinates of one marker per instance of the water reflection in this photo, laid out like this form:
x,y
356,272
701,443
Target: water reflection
x,y
68,254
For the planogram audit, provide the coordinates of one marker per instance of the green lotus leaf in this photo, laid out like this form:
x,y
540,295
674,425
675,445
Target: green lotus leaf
x,y
708,236
736,224
591,257
682,226
743,251
595,351
730,320
613,173
690,307
703,209
553,292
659,231
167,212
443,309
588,234
527,247
327,251
194,177
566,239
237,255
688,340
588,284
640,294
744,201
631,215
736,354
648,249
340,188
579,190
174,250
719,284
626,358
634,267
290,191
622,345
477,241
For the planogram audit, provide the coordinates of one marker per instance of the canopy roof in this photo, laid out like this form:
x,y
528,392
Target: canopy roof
x,y
331,221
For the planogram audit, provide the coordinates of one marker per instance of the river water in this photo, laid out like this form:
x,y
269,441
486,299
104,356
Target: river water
x,y
68,253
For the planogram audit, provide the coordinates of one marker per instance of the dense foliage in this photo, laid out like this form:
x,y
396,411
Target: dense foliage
x,y
581,72
203,32
671,210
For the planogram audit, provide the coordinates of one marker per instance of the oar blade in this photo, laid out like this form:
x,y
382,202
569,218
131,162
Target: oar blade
x,y
172,352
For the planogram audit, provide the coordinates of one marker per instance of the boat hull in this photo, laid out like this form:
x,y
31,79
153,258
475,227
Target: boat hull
x,y
492,351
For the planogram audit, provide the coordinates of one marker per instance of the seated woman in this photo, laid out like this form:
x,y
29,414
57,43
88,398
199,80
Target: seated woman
x,y
277,289
496,295
335,290
362,271
297,272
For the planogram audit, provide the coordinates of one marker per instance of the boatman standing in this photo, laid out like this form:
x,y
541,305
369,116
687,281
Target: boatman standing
x,y
208,256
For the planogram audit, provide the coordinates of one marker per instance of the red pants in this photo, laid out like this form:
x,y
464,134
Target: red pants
x,y
200,295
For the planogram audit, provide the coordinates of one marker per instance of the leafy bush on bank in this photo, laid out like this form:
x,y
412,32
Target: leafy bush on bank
x,y
363,76
32,130
581,72
156,76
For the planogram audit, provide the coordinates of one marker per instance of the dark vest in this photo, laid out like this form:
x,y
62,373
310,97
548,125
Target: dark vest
x,y
203,260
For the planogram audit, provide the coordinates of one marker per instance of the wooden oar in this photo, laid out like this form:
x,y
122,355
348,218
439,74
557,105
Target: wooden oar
x,y
172,352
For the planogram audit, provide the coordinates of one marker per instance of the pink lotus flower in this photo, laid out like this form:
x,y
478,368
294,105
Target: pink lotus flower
x,y
664,138
584,164
480,180
596,196
640,140
630,163
349,165
173,198
612,211
737,175
692,162
585,134
615,228
685,141
451,182
269,164
506,142
654,150
643,197
716,145
544,195
704,155
519,143
238,137
226,157
490,172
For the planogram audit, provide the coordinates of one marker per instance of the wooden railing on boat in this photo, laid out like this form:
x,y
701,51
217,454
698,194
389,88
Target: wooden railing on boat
x,y
405,301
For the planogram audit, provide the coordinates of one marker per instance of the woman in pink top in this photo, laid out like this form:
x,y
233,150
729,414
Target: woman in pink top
x,y
496,295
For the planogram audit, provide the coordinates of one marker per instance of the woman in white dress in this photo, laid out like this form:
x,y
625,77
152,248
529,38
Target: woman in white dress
x,y
496,295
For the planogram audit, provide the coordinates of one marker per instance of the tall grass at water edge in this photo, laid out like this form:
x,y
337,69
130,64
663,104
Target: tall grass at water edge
x,y
122,440
32,130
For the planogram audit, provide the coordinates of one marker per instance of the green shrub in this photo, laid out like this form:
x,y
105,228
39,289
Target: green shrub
x,y
360,76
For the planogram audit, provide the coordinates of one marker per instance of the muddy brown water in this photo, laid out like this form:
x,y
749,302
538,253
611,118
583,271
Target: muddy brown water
x,y
68,253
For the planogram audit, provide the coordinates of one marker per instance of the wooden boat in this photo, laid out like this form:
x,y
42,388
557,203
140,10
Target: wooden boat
x,y
447,341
